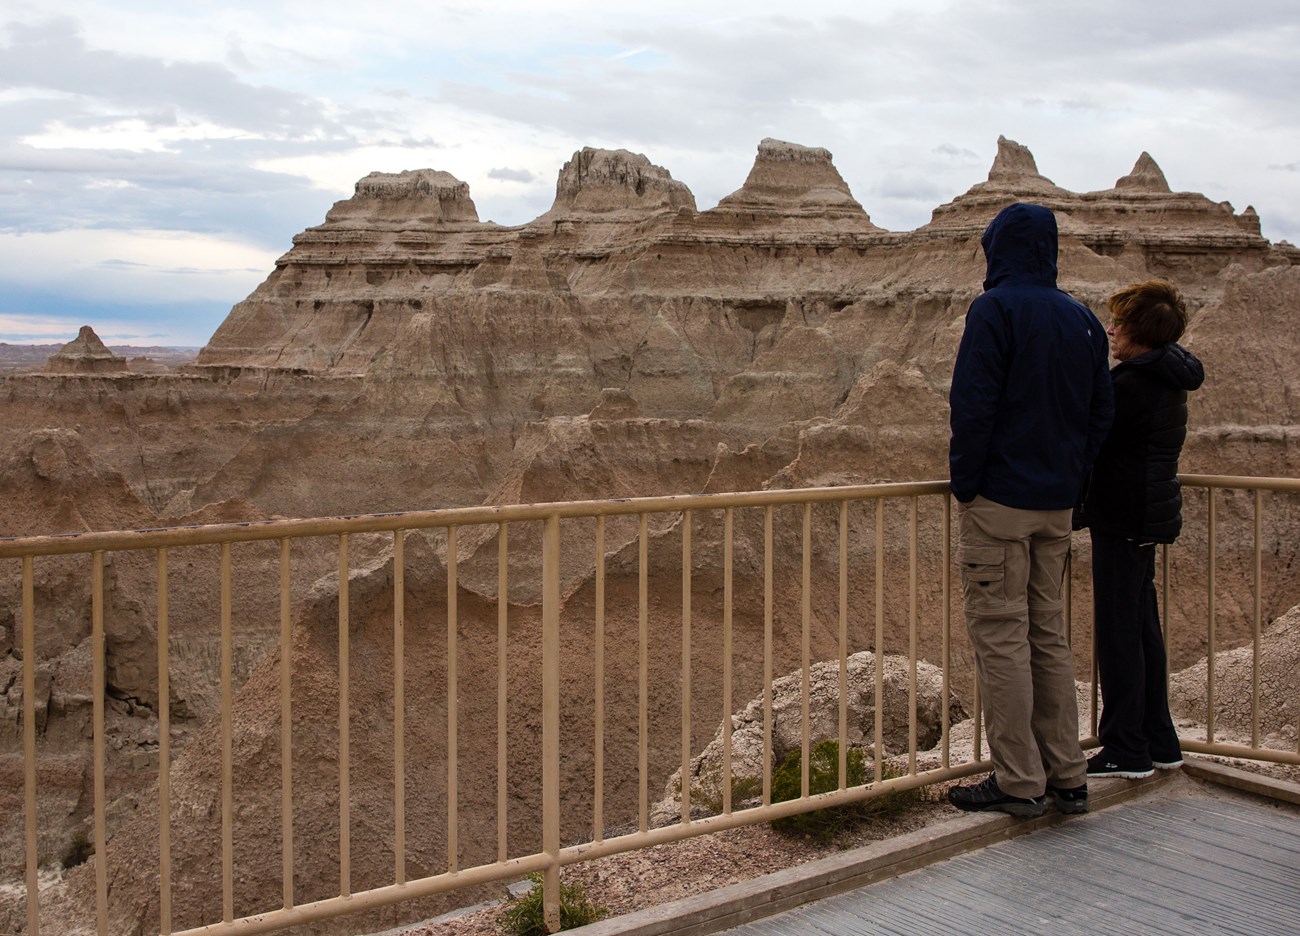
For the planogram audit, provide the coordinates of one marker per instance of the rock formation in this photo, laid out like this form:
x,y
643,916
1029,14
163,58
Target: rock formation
x,y
428,196
405,355
85,354
1145,177
601,182
1279,700
790,184
823,705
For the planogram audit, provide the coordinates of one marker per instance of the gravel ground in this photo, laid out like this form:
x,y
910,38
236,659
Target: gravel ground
x,y
636,880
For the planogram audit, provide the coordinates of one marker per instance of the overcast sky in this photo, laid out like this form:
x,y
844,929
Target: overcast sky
x,y
156,157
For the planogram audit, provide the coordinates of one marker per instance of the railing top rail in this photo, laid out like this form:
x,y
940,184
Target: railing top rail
x,y
260,530
1291,485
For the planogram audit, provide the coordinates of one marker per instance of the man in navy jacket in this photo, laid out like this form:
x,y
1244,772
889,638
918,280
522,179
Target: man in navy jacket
x,y
1031,403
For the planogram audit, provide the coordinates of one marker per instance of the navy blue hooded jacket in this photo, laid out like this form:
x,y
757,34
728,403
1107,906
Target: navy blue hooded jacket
x,y
1031,393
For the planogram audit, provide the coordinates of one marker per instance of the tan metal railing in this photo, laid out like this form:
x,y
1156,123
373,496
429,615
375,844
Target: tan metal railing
x,y
865,503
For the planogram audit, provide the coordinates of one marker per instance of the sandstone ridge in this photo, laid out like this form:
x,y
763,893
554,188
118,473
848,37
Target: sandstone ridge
x,y
393,260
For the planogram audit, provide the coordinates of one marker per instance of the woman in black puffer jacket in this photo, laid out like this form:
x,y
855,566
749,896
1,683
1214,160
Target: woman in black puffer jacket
x,y
1134,502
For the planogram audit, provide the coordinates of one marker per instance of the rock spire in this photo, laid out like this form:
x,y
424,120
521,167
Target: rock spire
x,y
426,195
85,354
1014,162
599,181
794,181
1145,177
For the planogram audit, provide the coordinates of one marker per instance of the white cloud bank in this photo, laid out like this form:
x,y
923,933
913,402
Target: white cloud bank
x,y
156,151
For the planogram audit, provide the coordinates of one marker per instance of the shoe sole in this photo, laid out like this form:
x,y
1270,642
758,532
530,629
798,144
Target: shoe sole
x,y
1019,810
1125,774
1071,807
1167,765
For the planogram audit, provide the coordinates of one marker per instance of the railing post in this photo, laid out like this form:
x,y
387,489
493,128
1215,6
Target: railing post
x,y
551,722
99,743
164,756
29,748
1257,621
286,727
1211,637
227,680
686,679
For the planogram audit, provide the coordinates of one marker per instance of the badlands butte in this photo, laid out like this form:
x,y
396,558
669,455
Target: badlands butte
x,y
404,355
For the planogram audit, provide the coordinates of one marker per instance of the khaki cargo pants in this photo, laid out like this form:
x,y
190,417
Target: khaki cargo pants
x,y
1012,569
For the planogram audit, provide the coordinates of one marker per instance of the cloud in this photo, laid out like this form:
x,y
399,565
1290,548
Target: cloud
x,y
512,175
53,57
121,266
955,152
238,123
213,193
169,325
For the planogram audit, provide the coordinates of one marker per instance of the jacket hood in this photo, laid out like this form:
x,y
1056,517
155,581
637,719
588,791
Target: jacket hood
x,y
1020,247
1174,364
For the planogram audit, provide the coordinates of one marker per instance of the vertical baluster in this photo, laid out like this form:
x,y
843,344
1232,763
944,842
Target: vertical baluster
x,y
503,613
598,804
29,749
945,652
643,678
1210,622
1258,618
164,755
98,690
399,706
880,640
767,656
97,716
686,666
551,722
726,659
453,710
1166,587
286,728
911,639
806,645
1095,689
345,788
844,645
227,743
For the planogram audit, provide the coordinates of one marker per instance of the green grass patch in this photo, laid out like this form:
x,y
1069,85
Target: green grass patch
x,y
524,915
828,824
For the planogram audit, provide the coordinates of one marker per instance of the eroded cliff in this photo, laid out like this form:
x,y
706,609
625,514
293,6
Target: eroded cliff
x,y
405,355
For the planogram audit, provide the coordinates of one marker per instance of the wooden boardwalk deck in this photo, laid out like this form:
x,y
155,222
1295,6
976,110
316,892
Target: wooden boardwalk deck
x,y
1179,866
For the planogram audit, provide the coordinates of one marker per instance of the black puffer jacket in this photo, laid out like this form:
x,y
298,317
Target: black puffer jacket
x,y
1134,491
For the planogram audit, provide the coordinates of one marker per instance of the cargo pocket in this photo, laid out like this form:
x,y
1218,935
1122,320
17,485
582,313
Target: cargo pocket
x,y
983,578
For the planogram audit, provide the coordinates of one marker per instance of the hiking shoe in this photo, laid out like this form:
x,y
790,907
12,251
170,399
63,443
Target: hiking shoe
x,y
1070,799
1169,759
1102,764
988,796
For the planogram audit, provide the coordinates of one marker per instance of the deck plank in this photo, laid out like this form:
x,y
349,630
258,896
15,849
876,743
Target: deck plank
x,y
1175,866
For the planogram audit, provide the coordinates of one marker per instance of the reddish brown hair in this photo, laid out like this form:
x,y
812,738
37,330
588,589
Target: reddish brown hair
x,y
1152,312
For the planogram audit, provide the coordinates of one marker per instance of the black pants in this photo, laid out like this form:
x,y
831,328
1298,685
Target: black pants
x,y
1135,724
